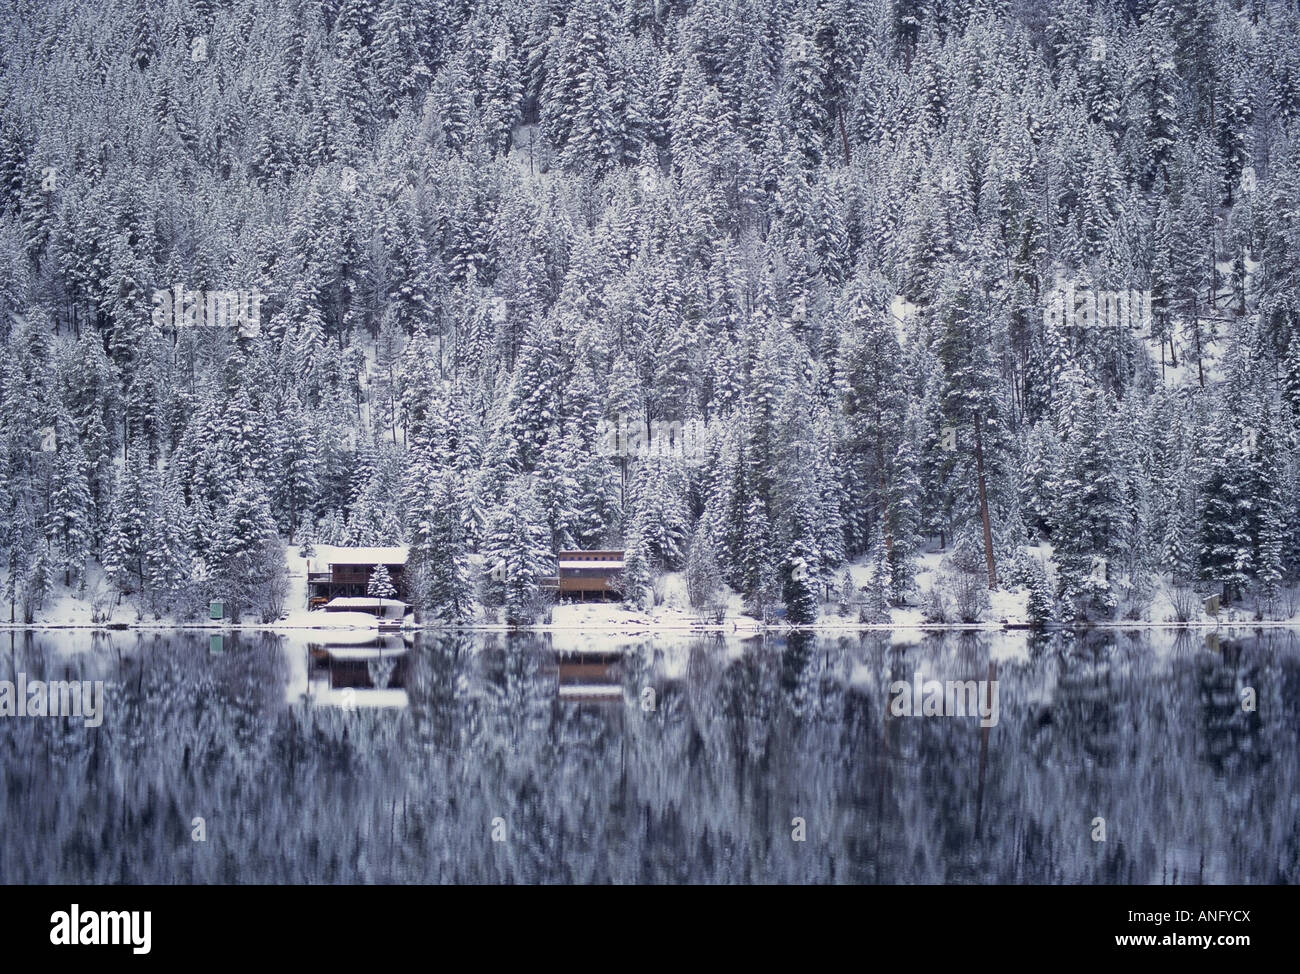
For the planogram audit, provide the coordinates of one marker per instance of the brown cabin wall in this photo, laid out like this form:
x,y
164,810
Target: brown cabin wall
x,y
360,574
352,580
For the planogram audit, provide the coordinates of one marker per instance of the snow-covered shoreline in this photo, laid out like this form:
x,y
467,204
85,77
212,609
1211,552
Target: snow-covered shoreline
x,y
757,627
1007,610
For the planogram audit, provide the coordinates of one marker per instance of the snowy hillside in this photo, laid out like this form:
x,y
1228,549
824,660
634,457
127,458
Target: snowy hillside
x,y
822,312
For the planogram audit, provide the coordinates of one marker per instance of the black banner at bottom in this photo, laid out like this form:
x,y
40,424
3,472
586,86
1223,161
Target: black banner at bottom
x,y
338,924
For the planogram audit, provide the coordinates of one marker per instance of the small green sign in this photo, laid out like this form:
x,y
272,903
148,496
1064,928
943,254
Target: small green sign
x,y
216,610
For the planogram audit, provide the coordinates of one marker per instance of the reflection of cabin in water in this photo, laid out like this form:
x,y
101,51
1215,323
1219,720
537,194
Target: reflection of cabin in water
x,y
371,673
346,573
586,574
589,677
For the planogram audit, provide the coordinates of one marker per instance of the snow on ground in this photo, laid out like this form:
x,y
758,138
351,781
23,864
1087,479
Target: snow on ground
x,y
1009,605
70,607
529,153
900,309
928,569
1005,605
94,604
672,611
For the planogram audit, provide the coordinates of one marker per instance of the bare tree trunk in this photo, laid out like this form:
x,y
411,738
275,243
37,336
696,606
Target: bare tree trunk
x,y
885,531
984,504
1196,334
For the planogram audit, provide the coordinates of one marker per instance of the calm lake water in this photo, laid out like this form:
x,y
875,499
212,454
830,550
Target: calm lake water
x,y
486,758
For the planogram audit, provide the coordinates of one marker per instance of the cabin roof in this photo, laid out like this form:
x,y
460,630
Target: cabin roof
x,y
361,602
614,566
395,555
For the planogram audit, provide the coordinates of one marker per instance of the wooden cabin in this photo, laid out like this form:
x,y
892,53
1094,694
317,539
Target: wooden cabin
x,y
345,573
586,575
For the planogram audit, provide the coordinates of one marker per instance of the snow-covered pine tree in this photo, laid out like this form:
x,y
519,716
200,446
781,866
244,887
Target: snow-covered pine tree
x,y
128,525
638,572
516,554
439,558
703,575
801,570
1086,511
168,562
70,519
295,464
380,585
874,609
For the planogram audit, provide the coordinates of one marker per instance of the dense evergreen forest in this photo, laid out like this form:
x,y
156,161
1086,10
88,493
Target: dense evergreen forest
x,y
824,238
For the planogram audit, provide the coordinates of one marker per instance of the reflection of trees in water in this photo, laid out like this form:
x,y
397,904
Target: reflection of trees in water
x,y
1087,693
703,787
1231,732
380,671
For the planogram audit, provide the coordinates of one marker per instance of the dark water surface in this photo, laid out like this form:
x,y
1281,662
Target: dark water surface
x,y
486,758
